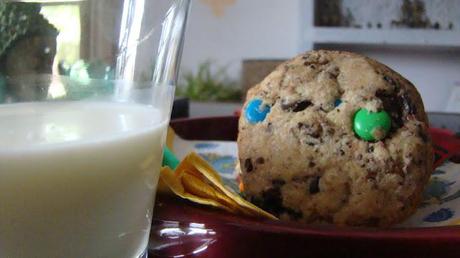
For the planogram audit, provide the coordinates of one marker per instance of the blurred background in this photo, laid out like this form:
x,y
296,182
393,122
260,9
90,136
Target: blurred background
x,y
233,44
418,38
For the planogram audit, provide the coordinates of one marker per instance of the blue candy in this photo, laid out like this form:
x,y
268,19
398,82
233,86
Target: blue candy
x,y
255,112
337,102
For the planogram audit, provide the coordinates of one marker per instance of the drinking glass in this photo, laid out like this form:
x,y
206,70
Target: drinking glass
x,y
86,90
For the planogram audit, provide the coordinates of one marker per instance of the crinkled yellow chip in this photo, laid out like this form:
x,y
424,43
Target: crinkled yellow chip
x,y
199,188
194,179
174,183
455,223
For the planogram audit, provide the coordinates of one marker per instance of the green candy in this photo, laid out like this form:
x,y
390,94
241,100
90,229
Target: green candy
x,y
169,159
371,126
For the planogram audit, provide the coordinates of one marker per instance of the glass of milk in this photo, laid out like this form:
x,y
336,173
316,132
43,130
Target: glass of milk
x,y
87,90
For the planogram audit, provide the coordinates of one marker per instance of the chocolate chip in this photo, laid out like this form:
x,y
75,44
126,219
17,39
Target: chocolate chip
x,y
314,185
398,105
341,152
269,127
302,106
311,164
300,179
248,165
260,160
373,221
393,106
370,149
294,215
389,80
295,106
272,201
333,72
371,175
408,107
278,182
309,64
314,130
315,134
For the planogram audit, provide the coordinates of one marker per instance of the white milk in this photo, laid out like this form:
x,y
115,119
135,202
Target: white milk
x,y
77,179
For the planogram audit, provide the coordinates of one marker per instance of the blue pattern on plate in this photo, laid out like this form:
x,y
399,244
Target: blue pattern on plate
x,y
438,172
223,164
442,214
451,197
437,188
205,145
232,184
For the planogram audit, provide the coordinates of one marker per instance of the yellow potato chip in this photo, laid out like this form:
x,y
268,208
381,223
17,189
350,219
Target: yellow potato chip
x,y
197,187
170,138
209,172
174,183
203,167
163,188
455,223
195,180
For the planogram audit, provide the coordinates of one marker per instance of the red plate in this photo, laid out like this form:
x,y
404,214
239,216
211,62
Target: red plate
x,y
181,228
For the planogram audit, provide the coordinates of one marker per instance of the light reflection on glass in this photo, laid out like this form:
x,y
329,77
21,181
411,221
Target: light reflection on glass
x,y
193,238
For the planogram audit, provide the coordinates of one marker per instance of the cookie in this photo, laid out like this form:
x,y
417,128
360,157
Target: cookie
x,y
335,137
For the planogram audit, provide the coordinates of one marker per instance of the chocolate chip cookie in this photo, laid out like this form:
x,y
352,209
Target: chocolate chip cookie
x,y
335,137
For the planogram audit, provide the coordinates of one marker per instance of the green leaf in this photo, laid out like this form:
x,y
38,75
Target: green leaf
x,y
208,86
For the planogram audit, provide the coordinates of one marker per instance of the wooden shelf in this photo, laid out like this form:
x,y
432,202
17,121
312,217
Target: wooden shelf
x,y
408,37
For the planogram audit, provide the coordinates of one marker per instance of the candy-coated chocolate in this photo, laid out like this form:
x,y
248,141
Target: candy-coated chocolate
x,y
256,111
371,126
337,102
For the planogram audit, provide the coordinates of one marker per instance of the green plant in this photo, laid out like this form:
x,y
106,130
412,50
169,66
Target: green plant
x,y
208,86
19,20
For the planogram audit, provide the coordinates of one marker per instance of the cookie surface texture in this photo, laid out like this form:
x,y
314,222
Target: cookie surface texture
x,y
305,162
